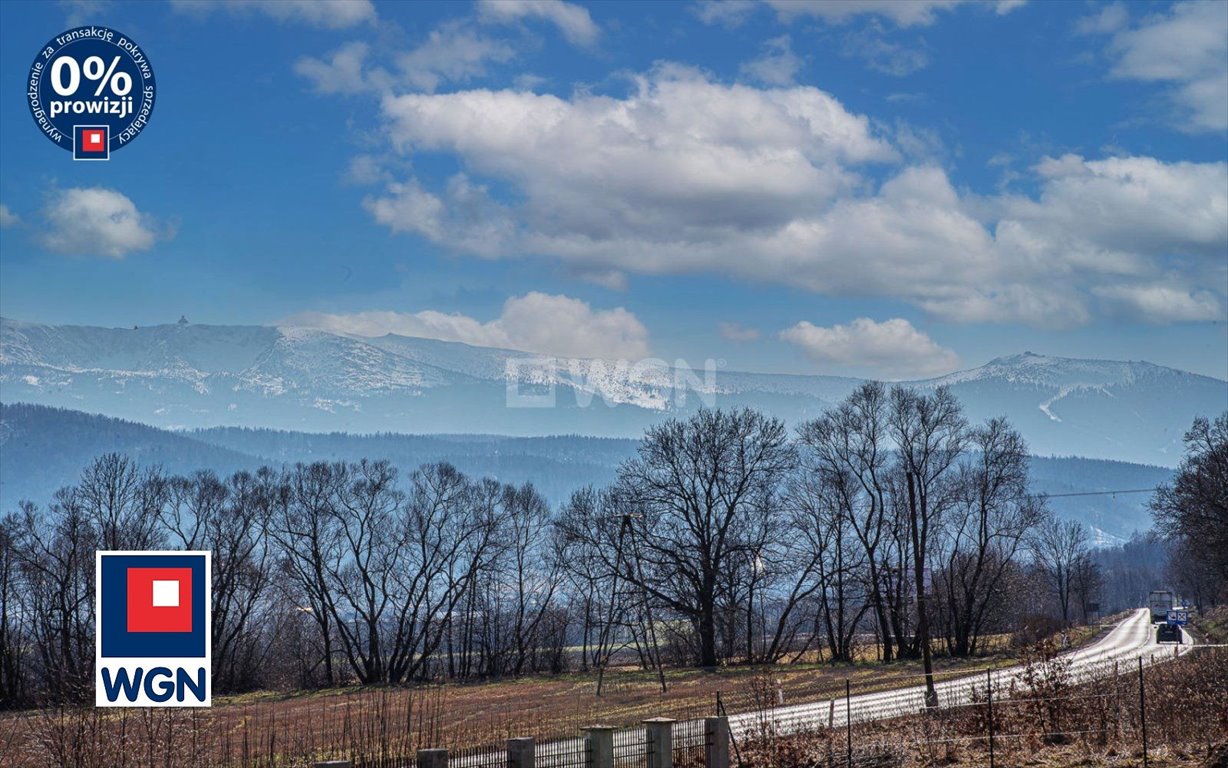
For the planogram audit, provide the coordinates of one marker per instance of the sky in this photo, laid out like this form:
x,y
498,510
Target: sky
x,y
888,189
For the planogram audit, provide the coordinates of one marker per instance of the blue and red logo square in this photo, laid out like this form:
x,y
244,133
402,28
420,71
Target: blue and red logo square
x,y
91,142
153,629
152,605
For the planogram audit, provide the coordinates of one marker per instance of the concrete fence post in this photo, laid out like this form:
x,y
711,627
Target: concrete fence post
x,y
520,752
660,732
432,758
716,742
600,746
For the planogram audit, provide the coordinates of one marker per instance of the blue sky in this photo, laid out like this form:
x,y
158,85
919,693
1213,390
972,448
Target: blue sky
x,y
870,188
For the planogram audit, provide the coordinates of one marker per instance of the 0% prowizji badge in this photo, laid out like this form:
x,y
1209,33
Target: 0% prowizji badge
x,y
91,91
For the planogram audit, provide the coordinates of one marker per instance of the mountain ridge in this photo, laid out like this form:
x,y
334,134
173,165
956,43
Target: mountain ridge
x,y
187,376
44,448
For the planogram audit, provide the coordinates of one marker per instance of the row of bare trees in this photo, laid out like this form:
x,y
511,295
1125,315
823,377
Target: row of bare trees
x,y
889,521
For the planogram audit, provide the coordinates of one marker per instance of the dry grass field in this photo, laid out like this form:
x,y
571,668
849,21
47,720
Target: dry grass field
x,y
385,725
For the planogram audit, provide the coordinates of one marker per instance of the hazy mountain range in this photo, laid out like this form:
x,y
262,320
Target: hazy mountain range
x,y
200,376
45,448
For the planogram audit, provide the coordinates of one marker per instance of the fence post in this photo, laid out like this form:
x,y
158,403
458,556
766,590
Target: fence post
x,y
334,764
716,742
432,758
660,737
520,752
600,744
848,720
1142,708
989,698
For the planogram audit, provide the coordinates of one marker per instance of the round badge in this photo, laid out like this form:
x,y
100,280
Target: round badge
x,y
91,91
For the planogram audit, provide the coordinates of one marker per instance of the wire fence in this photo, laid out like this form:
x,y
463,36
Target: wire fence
x,y
1090,700
1129,704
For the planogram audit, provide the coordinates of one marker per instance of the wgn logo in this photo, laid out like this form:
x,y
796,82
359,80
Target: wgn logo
x,y
153,632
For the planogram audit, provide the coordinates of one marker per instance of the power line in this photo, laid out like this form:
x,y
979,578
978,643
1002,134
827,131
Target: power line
x,y
1095,493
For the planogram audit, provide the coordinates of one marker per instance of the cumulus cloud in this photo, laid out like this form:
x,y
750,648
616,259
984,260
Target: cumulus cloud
x,y
8,218
681,156
452,52
727,13
688,175
96,221
735,332
331,14
1162,303
904,14
873,46
536,322
573,21
342,72
777,66
892,348
1187,47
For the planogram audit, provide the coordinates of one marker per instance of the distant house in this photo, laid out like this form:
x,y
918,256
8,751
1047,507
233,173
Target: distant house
x,y
182,320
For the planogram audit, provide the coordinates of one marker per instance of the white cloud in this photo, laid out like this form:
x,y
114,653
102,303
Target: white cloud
x,y
1187,47
777,66
452,52
536,322
871,45
680,157
332,14
687,175
572,20
96,221
727,13
735,332
905,13
892,348
8,218
343,72
1163,304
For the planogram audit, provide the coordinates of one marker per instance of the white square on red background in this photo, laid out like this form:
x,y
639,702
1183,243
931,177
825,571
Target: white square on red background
x,y
165,594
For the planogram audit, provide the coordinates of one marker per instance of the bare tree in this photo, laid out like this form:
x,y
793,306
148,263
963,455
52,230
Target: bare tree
x,y
929,435
231,520
852,441
988,525
56,555
122,500
821,502
1057,547
1194,507
703,487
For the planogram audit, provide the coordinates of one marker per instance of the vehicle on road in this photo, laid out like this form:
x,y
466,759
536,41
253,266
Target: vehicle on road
x,y
1160,601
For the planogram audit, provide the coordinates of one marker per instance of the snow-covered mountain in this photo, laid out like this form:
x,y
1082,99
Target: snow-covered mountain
x,y
186,375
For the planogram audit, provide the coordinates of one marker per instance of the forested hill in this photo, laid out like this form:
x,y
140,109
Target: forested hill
x,y
45,448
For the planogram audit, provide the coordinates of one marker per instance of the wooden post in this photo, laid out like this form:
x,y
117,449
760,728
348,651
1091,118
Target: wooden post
x,y
848,719
989,697
1142,708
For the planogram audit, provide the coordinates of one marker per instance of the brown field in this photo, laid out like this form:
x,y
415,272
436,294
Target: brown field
x,y
277,728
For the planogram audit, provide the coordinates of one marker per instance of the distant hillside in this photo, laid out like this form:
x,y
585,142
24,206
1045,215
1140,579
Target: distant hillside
x,y
308,380
43,448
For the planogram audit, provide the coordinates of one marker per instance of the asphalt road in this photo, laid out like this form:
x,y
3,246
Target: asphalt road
x,y
1118,651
